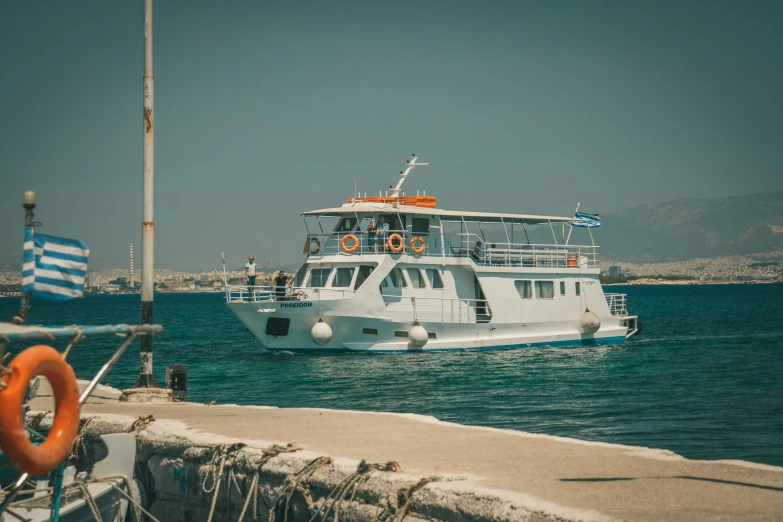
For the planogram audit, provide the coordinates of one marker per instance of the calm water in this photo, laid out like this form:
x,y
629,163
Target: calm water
x,y
705,380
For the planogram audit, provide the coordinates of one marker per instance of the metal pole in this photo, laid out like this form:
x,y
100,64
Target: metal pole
x,y
146,380
29,205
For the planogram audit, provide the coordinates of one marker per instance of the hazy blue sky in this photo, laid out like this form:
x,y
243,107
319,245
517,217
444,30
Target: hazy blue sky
x,y
266,109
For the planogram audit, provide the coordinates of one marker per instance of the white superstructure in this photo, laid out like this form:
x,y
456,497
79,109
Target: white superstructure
x,y
437,280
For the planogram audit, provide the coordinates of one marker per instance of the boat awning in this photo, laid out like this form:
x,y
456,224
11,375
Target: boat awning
x,y
445,215
12,332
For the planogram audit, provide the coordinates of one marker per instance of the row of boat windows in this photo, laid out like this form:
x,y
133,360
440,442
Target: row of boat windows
x,y
419,278
343,277
544,289
397,333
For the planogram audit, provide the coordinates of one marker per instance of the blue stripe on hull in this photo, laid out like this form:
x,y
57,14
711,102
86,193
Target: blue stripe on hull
x,y
551,344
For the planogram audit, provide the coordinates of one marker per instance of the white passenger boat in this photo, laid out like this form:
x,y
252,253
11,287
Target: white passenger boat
x,y
438,280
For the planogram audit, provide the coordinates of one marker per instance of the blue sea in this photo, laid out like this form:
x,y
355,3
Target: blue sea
x,y
705,379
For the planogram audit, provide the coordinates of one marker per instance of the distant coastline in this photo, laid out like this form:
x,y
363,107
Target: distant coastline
x,y
681,282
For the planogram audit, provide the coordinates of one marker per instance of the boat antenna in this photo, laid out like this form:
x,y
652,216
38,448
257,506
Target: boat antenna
x,y
395,192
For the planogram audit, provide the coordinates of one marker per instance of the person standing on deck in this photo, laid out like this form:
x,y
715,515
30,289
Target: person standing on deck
x,y
382,232
281,281
250,276
372,237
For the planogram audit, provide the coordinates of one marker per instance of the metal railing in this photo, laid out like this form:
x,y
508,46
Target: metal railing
x,y
459,245
438,309
617,304
267,294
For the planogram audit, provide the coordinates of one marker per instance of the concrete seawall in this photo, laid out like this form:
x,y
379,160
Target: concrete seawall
x,y
427,470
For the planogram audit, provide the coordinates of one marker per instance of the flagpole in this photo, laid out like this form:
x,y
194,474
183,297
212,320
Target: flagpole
x,y
146,379
29,205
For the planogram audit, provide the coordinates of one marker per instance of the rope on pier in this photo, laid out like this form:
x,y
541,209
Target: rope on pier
x,y
218,463
283,502
338,494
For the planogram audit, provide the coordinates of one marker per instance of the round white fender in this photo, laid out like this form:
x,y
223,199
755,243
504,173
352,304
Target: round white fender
x,y
321,332
589,323
418,335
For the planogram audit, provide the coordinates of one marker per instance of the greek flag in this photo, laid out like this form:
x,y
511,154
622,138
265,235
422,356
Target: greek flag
x,y
592,220
54,267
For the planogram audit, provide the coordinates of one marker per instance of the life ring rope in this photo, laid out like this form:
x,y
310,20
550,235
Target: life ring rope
x,y
352,249
421,242
400,246
14,442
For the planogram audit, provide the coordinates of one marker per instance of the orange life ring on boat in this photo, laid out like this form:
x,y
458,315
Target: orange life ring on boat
x,y
353,248
420,240
307,246
23,455
317,245
399,246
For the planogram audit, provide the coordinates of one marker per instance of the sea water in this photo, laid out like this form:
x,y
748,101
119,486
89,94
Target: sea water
x,y
705,379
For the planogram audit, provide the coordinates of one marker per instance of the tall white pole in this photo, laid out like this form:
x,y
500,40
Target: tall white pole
x,y
146,380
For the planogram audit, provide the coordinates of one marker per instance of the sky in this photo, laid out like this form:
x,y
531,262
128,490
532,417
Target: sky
x,y
266,109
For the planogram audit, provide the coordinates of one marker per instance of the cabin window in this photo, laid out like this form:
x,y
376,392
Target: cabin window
x,y
578,288
400,333
397,279
420,226
562,287
432,335
525,289
346,224
318,277
417,279
545,289
364,273
300,275
343,277
370,331
435,281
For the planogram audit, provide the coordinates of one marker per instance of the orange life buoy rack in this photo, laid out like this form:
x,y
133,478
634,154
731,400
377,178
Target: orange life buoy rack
x,y
353,248
400,244
421,242
14,442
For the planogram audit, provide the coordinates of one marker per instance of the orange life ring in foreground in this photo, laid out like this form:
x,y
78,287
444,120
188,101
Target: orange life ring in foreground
x,y
420,240
399,246
38,460
353,248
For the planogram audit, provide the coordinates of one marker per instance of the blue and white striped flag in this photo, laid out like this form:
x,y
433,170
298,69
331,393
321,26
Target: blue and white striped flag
x,y
54,267
591,220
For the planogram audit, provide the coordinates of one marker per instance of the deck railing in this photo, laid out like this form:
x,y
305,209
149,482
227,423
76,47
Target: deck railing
x,y
267,294
617,304
457,245
438,309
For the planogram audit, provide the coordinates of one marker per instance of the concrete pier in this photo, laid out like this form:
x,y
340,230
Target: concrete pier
x,y
450,472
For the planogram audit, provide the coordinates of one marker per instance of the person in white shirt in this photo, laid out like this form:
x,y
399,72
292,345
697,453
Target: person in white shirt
x,y
250,275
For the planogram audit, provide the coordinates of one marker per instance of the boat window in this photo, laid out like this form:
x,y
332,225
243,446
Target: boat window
x,y
417,280
397,279
300,275
420,225
400,333
524,288
562,287
318,277
343,277
346,224
578,288
435,281
370,331
364,273
545,289
432,335
394,222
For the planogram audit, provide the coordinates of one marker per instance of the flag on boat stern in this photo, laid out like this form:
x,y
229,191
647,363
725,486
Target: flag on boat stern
x,y
590,220
54,267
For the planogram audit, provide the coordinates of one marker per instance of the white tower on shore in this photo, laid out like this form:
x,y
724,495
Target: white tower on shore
x,y
130,271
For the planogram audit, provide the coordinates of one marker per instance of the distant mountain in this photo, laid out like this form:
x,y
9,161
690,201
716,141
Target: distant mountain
x,y
691,228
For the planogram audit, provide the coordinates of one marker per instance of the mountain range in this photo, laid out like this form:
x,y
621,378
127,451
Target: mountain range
x,y
693,228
